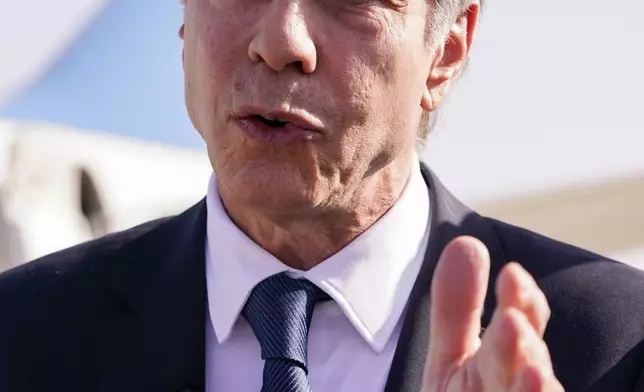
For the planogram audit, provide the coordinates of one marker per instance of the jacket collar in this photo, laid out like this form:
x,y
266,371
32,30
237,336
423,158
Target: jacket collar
x,y
450,219
154,337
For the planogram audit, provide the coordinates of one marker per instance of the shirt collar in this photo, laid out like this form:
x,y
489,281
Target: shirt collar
x,y
370,279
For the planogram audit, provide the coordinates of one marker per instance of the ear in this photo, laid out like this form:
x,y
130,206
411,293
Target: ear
x,y
450,58
182,30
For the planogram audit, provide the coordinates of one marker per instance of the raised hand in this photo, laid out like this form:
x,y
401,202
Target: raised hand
x,y
510,356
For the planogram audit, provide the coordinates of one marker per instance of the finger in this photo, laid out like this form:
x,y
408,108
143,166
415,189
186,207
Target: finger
x,y
458,291
528,380
516,288
509,345
531,379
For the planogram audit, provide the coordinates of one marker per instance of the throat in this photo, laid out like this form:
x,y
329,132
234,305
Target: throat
x,y
304,245
303,240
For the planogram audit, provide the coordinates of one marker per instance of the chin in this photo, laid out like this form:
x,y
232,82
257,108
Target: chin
x,y
273,188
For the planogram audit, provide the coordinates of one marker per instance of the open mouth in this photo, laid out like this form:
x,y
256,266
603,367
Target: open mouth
x,y
273,123
277,128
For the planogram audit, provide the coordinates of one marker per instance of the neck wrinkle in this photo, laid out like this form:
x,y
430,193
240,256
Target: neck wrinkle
x,y
306,241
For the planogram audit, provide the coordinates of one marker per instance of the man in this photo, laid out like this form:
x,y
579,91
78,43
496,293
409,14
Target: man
x,y
308,266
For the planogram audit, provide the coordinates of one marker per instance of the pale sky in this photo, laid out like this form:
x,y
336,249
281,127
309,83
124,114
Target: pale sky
x,y
554,95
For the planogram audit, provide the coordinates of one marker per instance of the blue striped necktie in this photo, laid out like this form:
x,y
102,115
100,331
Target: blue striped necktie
x,y
279,310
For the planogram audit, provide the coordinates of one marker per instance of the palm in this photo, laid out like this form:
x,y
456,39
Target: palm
x,y
511,355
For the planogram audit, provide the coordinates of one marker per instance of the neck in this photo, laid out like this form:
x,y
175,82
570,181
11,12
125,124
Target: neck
x,y
306,240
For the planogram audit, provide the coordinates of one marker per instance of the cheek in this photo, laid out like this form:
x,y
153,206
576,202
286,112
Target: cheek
x,y
204,86
368,77
375,78
365,52
211,52
399,71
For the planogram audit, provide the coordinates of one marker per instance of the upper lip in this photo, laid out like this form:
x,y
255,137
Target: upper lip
x,y
296,117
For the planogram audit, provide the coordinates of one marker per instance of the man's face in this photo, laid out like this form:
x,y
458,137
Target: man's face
x,y
347,75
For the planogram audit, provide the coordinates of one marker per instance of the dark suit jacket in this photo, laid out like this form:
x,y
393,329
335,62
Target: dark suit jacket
x,y
126,313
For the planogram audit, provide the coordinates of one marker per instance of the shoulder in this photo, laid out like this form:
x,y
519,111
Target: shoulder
x,y
38,290
66,266
551,261
596,330
50,308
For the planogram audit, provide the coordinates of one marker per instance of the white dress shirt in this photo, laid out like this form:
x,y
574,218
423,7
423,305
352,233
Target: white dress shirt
x,y
352,339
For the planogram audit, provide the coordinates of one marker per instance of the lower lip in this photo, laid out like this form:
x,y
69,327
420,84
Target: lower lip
x,y
288,134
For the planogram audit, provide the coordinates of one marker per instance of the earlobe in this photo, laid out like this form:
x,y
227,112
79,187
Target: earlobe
x,y
183,50
426,102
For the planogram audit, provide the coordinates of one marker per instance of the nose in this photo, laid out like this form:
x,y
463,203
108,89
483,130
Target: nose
x,y
283,38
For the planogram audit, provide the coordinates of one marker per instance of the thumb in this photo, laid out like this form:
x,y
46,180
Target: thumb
x,y
458,292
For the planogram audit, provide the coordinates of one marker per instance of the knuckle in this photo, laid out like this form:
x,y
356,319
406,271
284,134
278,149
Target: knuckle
x,y
543,307
538,306
510,332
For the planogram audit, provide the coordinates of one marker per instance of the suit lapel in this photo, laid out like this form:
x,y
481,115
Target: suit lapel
x,y
449,219
154,336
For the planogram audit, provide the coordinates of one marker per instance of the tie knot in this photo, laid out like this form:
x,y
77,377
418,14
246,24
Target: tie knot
x,y
279,310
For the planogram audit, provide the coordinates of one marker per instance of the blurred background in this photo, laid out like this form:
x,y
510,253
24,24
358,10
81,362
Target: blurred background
x,y
544,130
